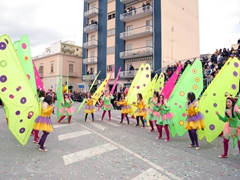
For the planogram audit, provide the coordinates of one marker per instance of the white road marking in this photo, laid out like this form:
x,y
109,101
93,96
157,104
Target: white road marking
x,y
155,166
73,135
88,153
63,125
112,123
150,174
97,126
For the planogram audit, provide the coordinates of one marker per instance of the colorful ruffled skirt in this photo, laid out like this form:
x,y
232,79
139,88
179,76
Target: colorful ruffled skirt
x,y
107,107
142,112
165,119
153,115
126,109
195,122
89,109
231,132
43,124
64,111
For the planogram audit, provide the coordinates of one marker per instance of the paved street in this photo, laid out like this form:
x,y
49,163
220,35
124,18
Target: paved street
x,y
109,150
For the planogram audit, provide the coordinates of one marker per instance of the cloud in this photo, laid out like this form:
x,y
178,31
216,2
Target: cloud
x,y
43,21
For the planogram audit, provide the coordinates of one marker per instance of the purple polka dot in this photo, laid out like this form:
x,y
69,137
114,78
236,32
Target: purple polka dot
x,y
215,104
234,86
236,64
23,100
4,89
17,112
3,78
2,45
214,94
235,73
147,68
141,69
144,85
160,88
138,87
175,103
21,120
22,130
180,106
211,127
147,75
206,111
29,117
160,82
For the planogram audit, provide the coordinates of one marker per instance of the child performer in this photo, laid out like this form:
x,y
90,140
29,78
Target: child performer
x,y
89,108
141,111
232,126
153,114
66,109
107,105
43,122
41,95
126,109
165,117
194,120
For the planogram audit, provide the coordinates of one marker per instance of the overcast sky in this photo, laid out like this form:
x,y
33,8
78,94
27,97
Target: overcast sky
x,y
47,21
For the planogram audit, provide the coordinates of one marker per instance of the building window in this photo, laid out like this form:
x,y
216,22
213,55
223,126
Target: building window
x,y
129,46
111,15
70,68
111,32
149,22
91,70
52,67
93,6
109,68
111,50
92,37
149,43
92,53
77,49
40,70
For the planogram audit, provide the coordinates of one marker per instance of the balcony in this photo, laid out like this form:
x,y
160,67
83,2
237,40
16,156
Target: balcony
x,y
91,13
136,14
89,1
90,44
137,33
90,60
72,74
128,74
135,53
41,74
126,1
90,28
88,77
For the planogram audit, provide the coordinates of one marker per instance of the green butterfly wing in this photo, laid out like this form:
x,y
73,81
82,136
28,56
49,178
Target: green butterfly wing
x,y
193,82
16,92
59,96
141,85
215,99
160,83
25,57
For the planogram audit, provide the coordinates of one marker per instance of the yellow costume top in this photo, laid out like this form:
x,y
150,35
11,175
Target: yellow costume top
x,y
126,109
141,111
46,110
193,109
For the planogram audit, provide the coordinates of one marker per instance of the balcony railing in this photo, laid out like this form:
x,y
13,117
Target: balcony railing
x,y
134,53
90,28
88,77
91,13
136,33
90,60
72,74
128,74
41,74
136,13
126,1
90,44
89,1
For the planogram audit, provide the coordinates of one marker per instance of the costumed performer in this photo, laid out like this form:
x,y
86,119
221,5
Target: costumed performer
x,y
41,95
125,109
141,111
153,113
107,105
232,125
165,117
89,108
67,109
43,122
194,120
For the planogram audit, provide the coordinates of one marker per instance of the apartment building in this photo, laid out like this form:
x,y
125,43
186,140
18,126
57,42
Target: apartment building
x,y
127,33
61,59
